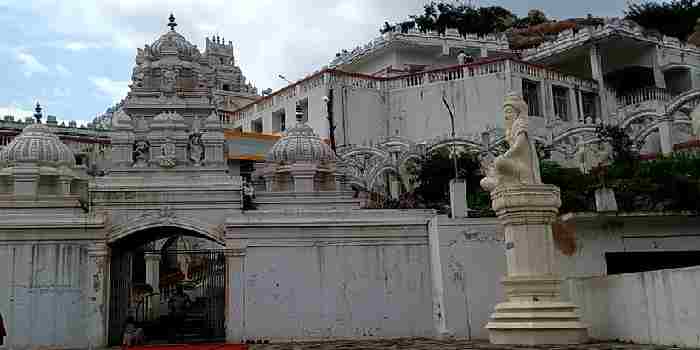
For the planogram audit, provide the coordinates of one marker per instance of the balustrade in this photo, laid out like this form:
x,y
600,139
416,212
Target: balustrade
x,y
642,95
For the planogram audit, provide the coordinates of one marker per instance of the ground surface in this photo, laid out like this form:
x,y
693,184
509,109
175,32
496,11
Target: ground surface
x,y
431,344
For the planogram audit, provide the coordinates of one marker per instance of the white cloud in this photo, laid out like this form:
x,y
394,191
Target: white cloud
x,y
62,71
17,112
116,90
30,64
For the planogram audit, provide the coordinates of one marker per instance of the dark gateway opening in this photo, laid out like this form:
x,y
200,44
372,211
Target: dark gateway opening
x,y
631,262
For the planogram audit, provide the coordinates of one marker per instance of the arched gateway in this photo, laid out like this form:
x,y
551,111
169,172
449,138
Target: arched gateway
x,y
147,266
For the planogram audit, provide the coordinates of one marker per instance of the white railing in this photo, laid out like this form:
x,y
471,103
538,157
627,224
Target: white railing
x,y
539,72
642,95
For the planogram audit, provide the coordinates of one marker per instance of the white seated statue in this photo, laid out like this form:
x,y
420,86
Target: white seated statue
x,y
519,165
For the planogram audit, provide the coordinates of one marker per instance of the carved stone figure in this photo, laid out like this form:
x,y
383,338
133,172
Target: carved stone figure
x,y
519,164
695,119
195,149
138,76
167,154
141,154
169,79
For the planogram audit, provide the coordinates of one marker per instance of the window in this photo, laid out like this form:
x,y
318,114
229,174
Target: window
x,y
531,95
304,104
226,87
561,102
278,120
588,105
257,125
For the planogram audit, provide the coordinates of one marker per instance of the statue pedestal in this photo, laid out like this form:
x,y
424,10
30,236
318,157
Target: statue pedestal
x,y
533,313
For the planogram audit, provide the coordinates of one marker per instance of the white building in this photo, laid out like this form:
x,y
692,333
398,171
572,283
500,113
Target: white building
x,y
394,86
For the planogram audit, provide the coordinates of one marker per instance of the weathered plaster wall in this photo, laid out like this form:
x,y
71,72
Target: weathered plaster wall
x,y
44,294
419,113
342,290
473,263
473,260
657,307
360,115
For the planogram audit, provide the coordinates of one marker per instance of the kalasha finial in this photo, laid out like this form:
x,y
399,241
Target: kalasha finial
x,y
172,23
37,113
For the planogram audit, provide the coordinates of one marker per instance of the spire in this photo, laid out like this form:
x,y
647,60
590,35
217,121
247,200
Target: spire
x,y
172,23
37,113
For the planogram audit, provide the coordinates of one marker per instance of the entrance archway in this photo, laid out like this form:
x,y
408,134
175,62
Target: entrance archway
x,y
147,269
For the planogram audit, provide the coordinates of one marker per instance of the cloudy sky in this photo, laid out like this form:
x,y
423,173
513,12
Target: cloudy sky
x,y
76,56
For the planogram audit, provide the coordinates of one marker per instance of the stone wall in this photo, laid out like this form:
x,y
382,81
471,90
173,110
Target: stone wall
x,y
473,263
44,294
418,113
657,307
338,291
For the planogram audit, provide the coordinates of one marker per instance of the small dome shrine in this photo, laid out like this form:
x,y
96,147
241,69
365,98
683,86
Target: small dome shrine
x,y
300,144
37,163
300,162
37,145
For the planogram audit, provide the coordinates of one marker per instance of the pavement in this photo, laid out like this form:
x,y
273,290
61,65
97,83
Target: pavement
x,y
451,344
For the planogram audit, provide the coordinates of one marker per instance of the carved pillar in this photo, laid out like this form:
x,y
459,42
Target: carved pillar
x,y
533,313
64,185
439,317
659,80
153,279
574,115
98,261
235,292
597,74
508,75
666,136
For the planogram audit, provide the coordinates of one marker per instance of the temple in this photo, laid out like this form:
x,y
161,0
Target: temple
x,y
258,208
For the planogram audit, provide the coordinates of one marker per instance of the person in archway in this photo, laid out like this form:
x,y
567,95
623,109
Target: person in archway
x,y
177,307
132,334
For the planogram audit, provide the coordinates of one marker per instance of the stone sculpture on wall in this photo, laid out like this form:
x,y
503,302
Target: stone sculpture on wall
x,y
141,154
195,149
519,164
167,154
169,79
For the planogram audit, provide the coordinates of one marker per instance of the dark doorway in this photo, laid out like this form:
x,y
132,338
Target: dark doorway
x,y
199,274
631,262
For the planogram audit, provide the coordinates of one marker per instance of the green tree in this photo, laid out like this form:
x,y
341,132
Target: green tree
x,y
676,18
435,172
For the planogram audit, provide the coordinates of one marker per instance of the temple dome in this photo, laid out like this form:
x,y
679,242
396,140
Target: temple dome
x,y
173,42
300,144
37,145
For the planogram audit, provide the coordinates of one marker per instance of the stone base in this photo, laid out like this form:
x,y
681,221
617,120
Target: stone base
x,y
538,337
536,323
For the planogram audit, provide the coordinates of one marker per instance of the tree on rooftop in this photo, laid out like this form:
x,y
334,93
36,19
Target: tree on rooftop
x,y
676,18
465,18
